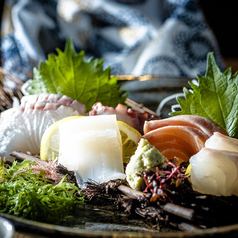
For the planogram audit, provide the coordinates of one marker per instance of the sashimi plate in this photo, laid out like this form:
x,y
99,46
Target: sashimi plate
x,y
91,221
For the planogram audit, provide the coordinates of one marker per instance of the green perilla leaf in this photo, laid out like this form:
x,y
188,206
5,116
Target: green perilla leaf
x,y
214,97
69,73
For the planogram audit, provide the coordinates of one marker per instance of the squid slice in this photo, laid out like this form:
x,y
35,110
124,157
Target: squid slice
x,y
91,146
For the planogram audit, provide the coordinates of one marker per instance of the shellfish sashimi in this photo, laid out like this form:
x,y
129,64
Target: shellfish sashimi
x,y
221,142
215,172
177,143
120,110
133,117
198,122
21,128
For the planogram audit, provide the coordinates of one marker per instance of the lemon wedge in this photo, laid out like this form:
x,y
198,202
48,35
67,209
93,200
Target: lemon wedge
x,y
49,148
130,138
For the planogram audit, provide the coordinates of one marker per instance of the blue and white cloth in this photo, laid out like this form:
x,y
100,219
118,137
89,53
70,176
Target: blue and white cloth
x,y
164,37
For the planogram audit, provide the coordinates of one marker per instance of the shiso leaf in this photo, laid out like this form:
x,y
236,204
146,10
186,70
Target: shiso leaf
x,y
214,97
69,73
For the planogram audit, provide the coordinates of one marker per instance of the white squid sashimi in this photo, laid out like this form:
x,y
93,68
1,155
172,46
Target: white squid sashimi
x,y
215,172
91,146
21,128
219,141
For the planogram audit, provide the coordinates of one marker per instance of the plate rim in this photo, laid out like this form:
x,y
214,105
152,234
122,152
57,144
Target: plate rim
x,y
21,224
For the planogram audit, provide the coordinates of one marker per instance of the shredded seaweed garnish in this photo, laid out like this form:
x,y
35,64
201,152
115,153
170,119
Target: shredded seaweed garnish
x,y
164,179
33,196
104,193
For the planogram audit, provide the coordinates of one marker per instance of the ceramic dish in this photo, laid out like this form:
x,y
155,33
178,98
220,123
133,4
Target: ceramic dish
x,y
100,229
96,222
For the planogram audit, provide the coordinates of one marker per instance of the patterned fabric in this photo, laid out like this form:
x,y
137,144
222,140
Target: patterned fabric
x,y
165,37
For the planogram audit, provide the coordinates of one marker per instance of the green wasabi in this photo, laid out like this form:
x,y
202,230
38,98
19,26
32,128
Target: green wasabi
x,y
146,157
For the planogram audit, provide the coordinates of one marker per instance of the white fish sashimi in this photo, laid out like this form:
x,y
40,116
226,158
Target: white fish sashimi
x,y
11,134
22,128
44,102
219,141
215,172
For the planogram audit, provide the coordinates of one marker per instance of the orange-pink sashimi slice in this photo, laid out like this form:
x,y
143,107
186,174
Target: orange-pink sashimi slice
x,y
180,137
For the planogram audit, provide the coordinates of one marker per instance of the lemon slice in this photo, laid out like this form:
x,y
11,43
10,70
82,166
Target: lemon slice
x,y
49,148
188,170
130,138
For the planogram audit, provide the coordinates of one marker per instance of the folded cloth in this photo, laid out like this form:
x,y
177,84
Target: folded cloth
x,y
165,37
